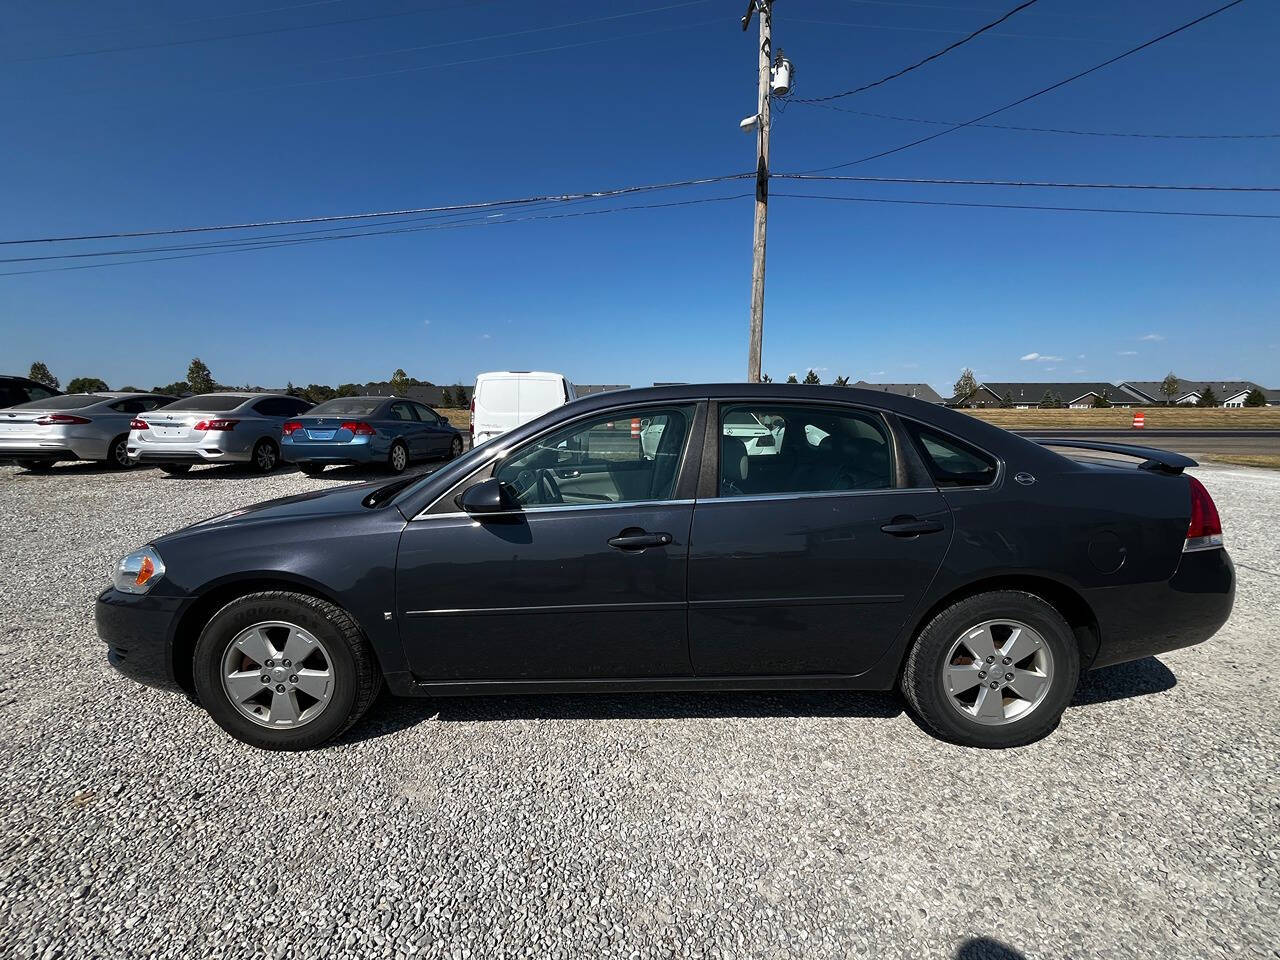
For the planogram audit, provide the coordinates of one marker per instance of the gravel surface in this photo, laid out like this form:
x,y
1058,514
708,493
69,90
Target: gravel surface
x,y
690,825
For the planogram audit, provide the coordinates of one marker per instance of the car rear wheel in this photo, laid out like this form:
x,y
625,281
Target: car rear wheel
x,y
175,468
284,671
311,469
993,670
36,466
266,456
455,448
398,457
118,453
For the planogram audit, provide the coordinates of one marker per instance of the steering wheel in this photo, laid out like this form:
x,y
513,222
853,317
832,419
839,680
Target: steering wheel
x,y
547,482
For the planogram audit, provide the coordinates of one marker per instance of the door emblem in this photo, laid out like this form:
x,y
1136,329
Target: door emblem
x,y
1025,479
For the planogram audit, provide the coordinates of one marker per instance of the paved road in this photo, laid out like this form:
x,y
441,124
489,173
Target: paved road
x,y
647,826
1189,442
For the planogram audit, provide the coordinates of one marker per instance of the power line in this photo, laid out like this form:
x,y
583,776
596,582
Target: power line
x,y
485,221
1078,133
929,59
1029,183
483,205
1031,96
238,36
1028,206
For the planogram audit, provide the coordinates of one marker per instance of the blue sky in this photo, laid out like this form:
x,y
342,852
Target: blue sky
x,y
334,119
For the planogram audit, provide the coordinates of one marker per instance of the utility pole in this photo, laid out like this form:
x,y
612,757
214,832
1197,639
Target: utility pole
x,y
764,8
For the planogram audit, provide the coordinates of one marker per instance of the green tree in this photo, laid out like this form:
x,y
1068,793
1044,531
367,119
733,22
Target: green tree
x,y
399,383
1047,400
964,388
199,378
765,378
1007,402
1170,386
349,390
1207,398
811,377
840,382
1101,399
132,389
460,395
319,392
87,385
175,389
1255,398
40,374
446,397
791,378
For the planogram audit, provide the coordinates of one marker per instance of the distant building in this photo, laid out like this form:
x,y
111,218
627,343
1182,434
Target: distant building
x,y
921,391
1077,395
1230,393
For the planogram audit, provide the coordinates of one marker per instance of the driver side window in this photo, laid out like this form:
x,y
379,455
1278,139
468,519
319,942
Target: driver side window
x,y
622,457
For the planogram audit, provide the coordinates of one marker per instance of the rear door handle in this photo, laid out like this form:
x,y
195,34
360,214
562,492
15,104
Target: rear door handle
x,y
639,540
911,527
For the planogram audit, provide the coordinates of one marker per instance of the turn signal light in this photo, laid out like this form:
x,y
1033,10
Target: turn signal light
x,y
49,419
359,428
146,570
136,424
1204,532
219,424
292,427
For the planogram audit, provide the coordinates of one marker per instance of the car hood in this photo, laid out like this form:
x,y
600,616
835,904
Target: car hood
x,y
320,503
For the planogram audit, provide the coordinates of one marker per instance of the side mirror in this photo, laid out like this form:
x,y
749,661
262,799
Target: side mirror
x,y
487,497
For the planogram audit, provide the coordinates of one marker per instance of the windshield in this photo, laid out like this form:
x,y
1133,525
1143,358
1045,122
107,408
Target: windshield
x,y
67,402
346,407
213,402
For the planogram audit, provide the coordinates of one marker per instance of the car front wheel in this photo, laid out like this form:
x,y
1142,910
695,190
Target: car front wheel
x,y
284,671
993,670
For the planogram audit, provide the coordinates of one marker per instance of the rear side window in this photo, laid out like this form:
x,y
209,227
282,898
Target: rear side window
x,y
952,462
781,448
403,411
132,405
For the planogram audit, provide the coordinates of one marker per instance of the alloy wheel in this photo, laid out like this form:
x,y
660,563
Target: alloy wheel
x,y
277,674
997,672
120,453
265,457
455,448
399,458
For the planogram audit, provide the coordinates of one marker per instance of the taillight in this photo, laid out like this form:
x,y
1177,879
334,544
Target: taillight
x,y
136,424
359,428
49,419
219,424
292,427
1204,532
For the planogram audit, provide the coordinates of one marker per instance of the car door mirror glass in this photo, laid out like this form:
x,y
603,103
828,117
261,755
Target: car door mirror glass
x,y
487,497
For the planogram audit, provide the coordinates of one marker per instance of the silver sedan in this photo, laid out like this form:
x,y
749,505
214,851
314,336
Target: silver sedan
x,y
215,428
73,426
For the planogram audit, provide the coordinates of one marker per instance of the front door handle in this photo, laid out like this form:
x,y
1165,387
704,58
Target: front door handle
x,y
911,526
633,539
568,474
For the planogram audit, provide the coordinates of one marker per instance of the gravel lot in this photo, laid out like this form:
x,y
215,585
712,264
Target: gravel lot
x,y
631,826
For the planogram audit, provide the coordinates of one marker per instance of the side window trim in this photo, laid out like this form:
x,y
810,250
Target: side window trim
x,y
999,461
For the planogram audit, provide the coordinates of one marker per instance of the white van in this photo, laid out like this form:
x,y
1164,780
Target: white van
x,y
503,400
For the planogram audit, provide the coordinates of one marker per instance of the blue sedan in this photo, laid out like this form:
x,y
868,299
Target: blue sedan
x,y
385,431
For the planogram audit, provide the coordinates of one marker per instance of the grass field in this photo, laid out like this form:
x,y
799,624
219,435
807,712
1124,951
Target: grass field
x,y
1205,418
459,418
1268,460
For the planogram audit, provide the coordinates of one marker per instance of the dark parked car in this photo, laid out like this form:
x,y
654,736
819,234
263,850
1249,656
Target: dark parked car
x,y
629,542
383,431
15,390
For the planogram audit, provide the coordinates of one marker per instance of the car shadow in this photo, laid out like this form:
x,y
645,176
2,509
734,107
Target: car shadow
x,y
66,468
359,473
1138,678
391,714
986,948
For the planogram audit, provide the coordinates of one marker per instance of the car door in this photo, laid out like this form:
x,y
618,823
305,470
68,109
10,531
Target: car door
x,y
566,585
807,556
436,437
409,426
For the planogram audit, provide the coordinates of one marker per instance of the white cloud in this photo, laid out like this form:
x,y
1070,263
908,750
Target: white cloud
x,y
1126,353
1080,357
877,373
1079,370
1040,357
486,336
1152,336
426,323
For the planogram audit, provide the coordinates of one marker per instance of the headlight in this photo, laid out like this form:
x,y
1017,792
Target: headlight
x,y
139,571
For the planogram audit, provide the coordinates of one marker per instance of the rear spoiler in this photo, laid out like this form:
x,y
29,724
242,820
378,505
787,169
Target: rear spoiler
x,y
1161,461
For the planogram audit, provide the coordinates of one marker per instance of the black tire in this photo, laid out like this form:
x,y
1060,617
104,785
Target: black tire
x,y
923,675
118,453
265,457
312,469
455,448
36,466
357,677
397,464
175,469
